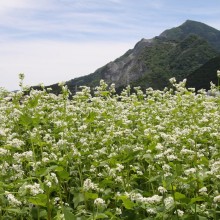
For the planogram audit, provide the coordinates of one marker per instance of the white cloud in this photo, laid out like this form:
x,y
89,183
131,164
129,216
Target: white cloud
x,y
51,62
61,18
88,19
45,39
28,4
5,4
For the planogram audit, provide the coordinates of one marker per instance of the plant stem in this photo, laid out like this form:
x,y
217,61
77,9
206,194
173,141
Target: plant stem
x,y
48,206
174,202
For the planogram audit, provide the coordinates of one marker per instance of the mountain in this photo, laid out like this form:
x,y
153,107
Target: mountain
x,y
206,32
177,52
178,60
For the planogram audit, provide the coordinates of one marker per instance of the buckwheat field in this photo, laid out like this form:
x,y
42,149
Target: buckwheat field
x,y
142,155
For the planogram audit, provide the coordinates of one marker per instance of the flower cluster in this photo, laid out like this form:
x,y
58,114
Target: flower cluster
x,y
12,200
99,202
31,189
97,154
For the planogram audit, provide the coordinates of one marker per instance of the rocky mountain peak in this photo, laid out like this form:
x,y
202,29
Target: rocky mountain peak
x,y
190,27
176,52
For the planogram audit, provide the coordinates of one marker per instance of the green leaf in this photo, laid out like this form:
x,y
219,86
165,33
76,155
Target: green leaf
x,y
106,182
196,199
128,204
33,102
68,215
41,172
91,195
109,213
91,117
14,210
78,197
44,171
204,161
43,214
202,217
100,216
104,93
179,196
155,178
58,169
25,119
64,175
34,212
40,200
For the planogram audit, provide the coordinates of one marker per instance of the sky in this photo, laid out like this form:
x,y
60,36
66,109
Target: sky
x,y
52,41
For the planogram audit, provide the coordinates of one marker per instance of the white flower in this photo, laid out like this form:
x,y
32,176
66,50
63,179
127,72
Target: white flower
x,y
167,174
171,157
45,159
136,197
4,167
62,83
12,200
56,200
88,184
172,80
203,191
139,172
2,132
215,168
119,167
54,177
21,76
159,147
118,211
218,73
168,202
152,200
16,143
166,167
32,189
3,151
159,156
187,151
25,155
161,189
216,199
99,202
118,179
151,211
48,183
179,212
190,171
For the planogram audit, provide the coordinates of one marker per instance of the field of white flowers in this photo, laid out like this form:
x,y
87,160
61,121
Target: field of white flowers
x,y
151,155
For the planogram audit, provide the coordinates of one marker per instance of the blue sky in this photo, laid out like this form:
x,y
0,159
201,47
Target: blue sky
x,y
57,40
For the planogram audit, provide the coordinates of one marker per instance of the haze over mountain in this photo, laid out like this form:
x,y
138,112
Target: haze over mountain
x,y
178,52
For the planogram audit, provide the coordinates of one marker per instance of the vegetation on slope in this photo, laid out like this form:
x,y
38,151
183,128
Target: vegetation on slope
x,y
167,59
201,78
210,34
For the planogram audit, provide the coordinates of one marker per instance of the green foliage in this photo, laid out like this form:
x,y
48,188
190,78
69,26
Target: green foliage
x,y
201,78
211,35
137,155
166,59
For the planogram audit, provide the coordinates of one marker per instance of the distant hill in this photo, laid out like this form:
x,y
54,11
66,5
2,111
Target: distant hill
x,y
178,52
201,78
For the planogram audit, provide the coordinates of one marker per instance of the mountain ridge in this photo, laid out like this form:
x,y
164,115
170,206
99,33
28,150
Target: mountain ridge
x,y
176,52
211,34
